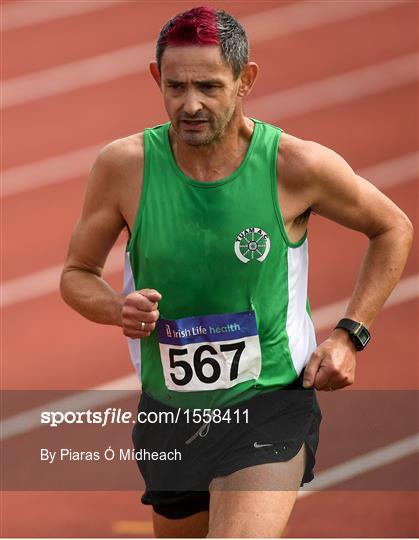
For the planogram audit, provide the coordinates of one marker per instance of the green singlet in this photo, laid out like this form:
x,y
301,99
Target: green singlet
x,y
234,315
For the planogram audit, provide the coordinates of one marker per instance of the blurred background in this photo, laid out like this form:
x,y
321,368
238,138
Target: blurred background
x,y
75,77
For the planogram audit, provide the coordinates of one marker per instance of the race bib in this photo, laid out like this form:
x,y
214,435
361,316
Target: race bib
x,y
209,352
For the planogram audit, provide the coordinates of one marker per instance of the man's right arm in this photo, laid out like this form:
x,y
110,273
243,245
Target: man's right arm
x,y
94,234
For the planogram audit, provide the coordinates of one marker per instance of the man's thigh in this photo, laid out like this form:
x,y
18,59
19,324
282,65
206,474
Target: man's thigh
x,y
255,501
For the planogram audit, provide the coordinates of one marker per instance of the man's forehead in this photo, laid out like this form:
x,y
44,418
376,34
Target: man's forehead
x,y
204,61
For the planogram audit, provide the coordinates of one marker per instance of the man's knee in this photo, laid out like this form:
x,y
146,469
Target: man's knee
x,y
240,529
251,514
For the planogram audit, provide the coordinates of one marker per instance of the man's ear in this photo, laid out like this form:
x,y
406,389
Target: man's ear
x,y
155,73
247,78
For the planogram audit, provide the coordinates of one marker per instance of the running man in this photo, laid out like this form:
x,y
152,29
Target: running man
x,y
215,305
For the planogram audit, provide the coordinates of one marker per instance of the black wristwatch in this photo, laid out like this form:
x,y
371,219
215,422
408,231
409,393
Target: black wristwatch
x,y
357,332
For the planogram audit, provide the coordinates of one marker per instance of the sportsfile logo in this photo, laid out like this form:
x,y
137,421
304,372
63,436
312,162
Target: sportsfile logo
x,y
252,244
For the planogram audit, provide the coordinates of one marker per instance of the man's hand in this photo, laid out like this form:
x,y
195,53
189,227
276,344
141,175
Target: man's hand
x,y
332,365
139,313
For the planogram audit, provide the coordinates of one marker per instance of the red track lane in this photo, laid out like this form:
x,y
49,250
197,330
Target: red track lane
x,y
46,240
345,129
59,349
333,49
333,267
49,346
70,121
117,27
336,514
360,514
53,43
72,38
47,514
391,362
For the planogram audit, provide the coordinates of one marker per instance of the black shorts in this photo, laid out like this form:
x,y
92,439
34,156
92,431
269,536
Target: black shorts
x,y
278,423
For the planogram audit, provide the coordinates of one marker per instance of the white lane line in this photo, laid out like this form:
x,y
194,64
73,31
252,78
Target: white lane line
x,y
393,171
286,103
361,464
338,89
119,388
384,175
268,24
407,289
53,170
72,76
308,14
47,281
80,401
29,12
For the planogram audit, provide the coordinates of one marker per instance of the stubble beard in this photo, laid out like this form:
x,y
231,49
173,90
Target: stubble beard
x,y
214,134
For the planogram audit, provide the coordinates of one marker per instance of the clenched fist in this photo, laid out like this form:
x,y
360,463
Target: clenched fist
x,y
332,364
139,313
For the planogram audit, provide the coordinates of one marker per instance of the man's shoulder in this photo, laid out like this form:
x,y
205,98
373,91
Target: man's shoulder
x,y
298,154
299,160
117,168
123,153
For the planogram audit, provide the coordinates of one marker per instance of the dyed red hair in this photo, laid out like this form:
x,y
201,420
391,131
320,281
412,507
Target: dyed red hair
x,y
195,27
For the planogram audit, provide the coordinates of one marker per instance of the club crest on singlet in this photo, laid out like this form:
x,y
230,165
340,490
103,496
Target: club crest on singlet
x,y
252,244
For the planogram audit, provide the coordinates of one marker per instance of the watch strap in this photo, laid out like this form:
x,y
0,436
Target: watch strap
x,y
348,324
358,333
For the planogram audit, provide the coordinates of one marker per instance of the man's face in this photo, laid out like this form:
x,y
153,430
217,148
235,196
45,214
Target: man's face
x,y
199,92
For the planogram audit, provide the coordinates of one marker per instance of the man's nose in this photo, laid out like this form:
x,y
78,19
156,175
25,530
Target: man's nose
x,y
192,103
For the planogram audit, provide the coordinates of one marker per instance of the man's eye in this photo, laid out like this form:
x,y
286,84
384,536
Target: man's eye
x,y
175,86
208,87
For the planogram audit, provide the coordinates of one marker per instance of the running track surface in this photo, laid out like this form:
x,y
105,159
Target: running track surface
x,y
47,346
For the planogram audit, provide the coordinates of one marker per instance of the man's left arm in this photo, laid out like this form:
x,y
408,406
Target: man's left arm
x,y
336,192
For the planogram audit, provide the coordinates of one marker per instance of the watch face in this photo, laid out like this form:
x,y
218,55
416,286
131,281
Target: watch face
x,y
363,336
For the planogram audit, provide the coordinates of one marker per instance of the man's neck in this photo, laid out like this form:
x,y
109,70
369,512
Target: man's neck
x,y
217,160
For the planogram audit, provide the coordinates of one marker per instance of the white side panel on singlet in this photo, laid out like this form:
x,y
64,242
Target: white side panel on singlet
x,y
300,328
133,344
